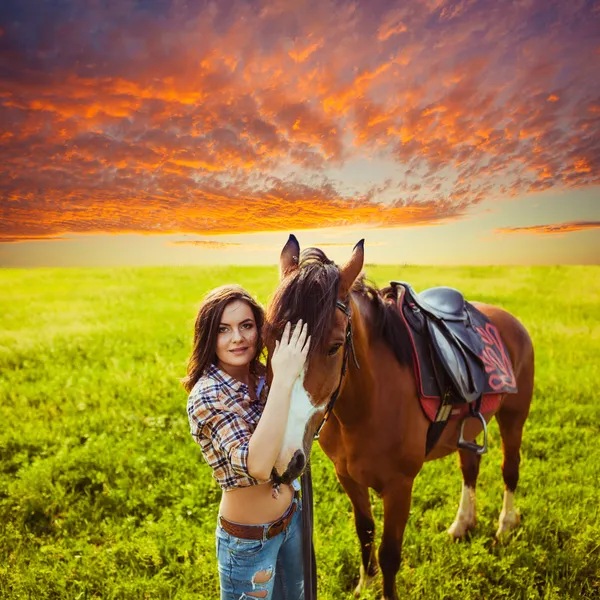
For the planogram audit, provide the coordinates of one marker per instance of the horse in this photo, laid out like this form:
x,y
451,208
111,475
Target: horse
x,y
375,430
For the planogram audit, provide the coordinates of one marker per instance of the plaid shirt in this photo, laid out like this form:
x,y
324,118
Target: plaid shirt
x,y
222,418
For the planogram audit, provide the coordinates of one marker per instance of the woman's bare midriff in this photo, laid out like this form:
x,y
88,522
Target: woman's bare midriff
x,y
255,505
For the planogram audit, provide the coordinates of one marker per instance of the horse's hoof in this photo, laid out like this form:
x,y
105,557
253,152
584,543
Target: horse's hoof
x,y
508,521
364,583
460,528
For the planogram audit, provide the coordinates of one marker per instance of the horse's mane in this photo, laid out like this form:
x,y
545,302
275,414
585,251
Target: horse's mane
x,y
385,320
309,293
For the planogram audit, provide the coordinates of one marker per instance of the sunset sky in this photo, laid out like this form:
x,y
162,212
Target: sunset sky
x,y
149,132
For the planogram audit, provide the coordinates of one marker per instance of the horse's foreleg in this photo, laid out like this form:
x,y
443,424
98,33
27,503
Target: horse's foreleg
x,y
396,507
365,529
466,517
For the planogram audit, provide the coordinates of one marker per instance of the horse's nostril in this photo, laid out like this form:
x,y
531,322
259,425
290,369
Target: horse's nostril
x,y
298,460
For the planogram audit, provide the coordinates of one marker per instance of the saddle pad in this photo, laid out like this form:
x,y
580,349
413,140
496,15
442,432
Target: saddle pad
x,y
489,403
499,374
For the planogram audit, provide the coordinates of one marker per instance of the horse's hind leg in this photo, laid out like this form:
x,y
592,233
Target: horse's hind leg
x,y
466,517
511,419
365,529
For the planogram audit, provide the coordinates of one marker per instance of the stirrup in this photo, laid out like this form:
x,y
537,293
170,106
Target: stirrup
x,y
474,446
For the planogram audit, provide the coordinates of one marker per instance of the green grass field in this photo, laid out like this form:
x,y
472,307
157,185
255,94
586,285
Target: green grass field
x,y
104,494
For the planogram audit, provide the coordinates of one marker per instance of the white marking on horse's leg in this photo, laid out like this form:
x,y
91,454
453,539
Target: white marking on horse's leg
x,y
364,583
509,517
466,517
301,410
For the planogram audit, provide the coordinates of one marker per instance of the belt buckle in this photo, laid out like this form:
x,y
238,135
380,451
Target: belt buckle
x,y
281,522
273,526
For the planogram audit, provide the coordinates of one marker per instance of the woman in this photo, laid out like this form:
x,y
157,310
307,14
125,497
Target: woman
x,y
240,429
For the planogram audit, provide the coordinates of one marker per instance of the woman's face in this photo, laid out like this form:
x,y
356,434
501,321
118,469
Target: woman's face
x,y
237,337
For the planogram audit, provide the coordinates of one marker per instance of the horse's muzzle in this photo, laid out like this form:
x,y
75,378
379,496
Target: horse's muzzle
x,y
293,470
297,463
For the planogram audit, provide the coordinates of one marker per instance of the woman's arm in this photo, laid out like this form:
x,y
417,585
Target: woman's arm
x,y
287,362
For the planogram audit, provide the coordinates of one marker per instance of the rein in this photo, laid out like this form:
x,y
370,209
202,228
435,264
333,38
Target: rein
x,y
348,348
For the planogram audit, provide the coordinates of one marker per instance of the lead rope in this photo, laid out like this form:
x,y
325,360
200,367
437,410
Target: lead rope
x,y
308,550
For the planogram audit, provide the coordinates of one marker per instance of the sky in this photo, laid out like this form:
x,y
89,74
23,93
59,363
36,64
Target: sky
x,y
147,132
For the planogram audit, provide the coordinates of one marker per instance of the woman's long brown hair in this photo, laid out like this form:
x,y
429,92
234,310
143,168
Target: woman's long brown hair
x,y
206,331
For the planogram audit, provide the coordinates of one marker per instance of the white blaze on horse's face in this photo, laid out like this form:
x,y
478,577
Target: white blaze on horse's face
x,y
301,411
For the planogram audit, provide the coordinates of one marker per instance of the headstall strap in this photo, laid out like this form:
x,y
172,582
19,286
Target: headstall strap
x,y
348,347
345,308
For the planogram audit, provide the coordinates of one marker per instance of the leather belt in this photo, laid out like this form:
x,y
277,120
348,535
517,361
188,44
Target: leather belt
x,y
259,532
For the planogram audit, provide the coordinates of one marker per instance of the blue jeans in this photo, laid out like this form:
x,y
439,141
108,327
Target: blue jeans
x,y
280,557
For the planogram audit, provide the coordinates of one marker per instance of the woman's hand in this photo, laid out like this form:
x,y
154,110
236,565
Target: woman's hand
x,y
290,352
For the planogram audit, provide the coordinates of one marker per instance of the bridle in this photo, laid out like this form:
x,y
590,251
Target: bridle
x,y
348,348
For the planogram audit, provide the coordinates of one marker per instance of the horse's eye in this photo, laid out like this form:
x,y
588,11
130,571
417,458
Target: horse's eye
x,y
333,350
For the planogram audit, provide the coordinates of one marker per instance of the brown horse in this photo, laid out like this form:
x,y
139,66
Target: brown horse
x,y
376,433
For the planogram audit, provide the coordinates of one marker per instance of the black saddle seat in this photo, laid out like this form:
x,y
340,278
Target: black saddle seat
x,y
441,302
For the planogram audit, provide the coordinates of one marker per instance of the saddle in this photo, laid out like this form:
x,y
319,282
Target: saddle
x,y
442,312
452,342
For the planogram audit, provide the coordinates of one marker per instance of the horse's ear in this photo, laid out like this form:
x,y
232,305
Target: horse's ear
x,y
351,270
288,261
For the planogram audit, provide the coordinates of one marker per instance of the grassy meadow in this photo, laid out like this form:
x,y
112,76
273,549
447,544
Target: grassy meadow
x,y
104,494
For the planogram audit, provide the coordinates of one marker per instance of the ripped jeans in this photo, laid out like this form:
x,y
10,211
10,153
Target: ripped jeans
x,y
249,568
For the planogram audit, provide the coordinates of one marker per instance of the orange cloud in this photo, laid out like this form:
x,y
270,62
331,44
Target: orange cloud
x,y
551,229
300,54
42,238
234,117
209,244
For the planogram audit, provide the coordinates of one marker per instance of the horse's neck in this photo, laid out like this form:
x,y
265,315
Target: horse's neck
x,y
384,386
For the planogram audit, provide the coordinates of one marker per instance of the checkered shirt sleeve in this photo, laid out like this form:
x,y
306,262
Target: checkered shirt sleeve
x,y
222,433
